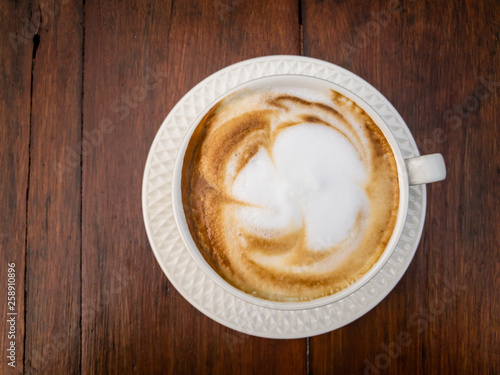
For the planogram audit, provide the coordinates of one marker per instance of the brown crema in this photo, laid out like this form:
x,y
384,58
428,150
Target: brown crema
x,y
224,142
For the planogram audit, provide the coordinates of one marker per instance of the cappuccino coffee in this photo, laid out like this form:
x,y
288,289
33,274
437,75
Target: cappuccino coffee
x,y
289,194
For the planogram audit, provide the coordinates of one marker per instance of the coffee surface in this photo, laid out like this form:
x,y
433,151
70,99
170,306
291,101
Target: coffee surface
x,y
290,195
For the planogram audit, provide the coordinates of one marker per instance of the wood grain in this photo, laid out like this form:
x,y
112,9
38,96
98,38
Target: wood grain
x,y
84,87
15,87
53,243
426,59
146,326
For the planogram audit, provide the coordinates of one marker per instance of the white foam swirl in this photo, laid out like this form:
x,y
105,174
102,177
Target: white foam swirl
x,y
289,196
312,178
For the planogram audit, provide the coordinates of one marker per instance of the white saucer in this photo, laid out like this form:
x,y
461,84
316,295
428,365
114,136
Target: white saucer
x,y
182,270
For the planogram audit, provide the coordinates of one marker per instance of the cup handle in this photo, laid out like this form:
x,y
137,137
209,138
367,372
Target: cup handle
x,y
425,169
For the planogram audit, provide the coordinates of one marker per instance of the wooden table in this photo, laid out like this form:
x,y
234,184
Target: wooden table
x,y
76,124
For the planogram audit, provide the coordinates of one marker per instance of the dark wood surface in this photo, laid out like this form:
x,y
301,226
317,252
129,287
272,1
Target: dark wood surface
x,y
80,106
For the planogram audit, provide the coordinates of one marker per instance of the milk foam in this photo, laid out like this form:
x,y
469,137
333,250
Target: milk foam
x,y
289,193
311,178
270,198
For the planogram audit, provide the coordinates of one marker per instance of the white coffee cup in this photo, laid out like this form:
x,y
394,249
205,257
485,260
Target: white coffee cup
x,y
412,171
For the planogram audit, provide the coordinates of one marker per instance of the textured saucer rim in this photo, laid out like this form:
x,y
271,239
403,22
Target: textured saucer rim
x,y
181,269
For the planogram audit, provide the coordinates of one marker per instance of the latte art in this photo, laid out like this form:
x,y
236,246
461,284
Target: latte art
x,y
289,195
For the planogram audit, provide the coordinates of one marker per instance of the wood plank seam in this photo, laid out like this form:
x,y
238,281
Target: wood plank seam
x,y
36,43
